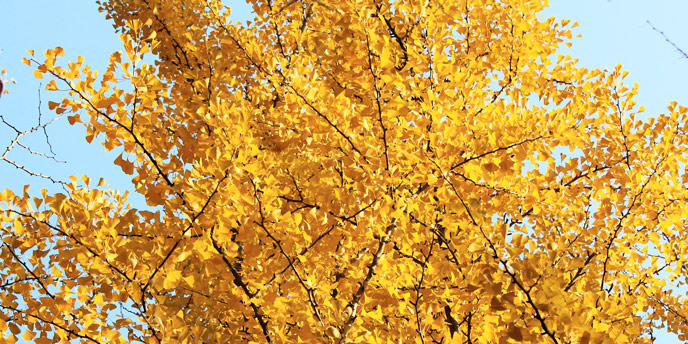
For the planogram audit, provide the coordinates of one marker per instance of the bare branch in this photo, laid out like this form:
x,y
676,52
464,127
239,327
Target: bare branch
x,y
680,51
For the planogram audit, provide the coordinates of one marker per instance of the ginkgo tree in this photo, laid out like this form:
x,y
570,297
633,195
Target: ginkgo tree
x,y
350,172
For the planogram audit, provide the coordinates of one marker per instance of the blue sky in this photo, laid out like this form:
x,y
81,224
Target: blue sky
x,y
616,31
612,32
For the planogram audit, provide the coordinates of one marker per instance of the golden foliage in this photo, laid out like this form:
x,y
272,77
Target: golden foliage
x,y
352,171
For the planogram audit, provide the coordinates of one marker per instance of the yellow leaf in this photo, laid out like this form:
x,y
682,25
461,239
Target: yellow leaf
x,y
74,119
51,86
28,335
190,280
127,166
491,167
585,338
14,328
514,333
333,332
98,299
183,255
172,279
496,304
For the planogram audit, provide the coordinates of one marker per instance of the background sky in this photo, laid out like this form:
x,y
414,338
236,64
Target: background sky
x,y
612,32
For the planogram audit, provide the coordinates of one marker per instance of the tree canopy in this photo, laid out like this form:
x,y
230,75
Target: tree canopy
x,y
352,171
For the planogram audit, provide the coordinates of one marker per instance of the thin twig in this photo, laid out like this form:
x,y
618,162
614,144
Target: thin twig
x,y
683,53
